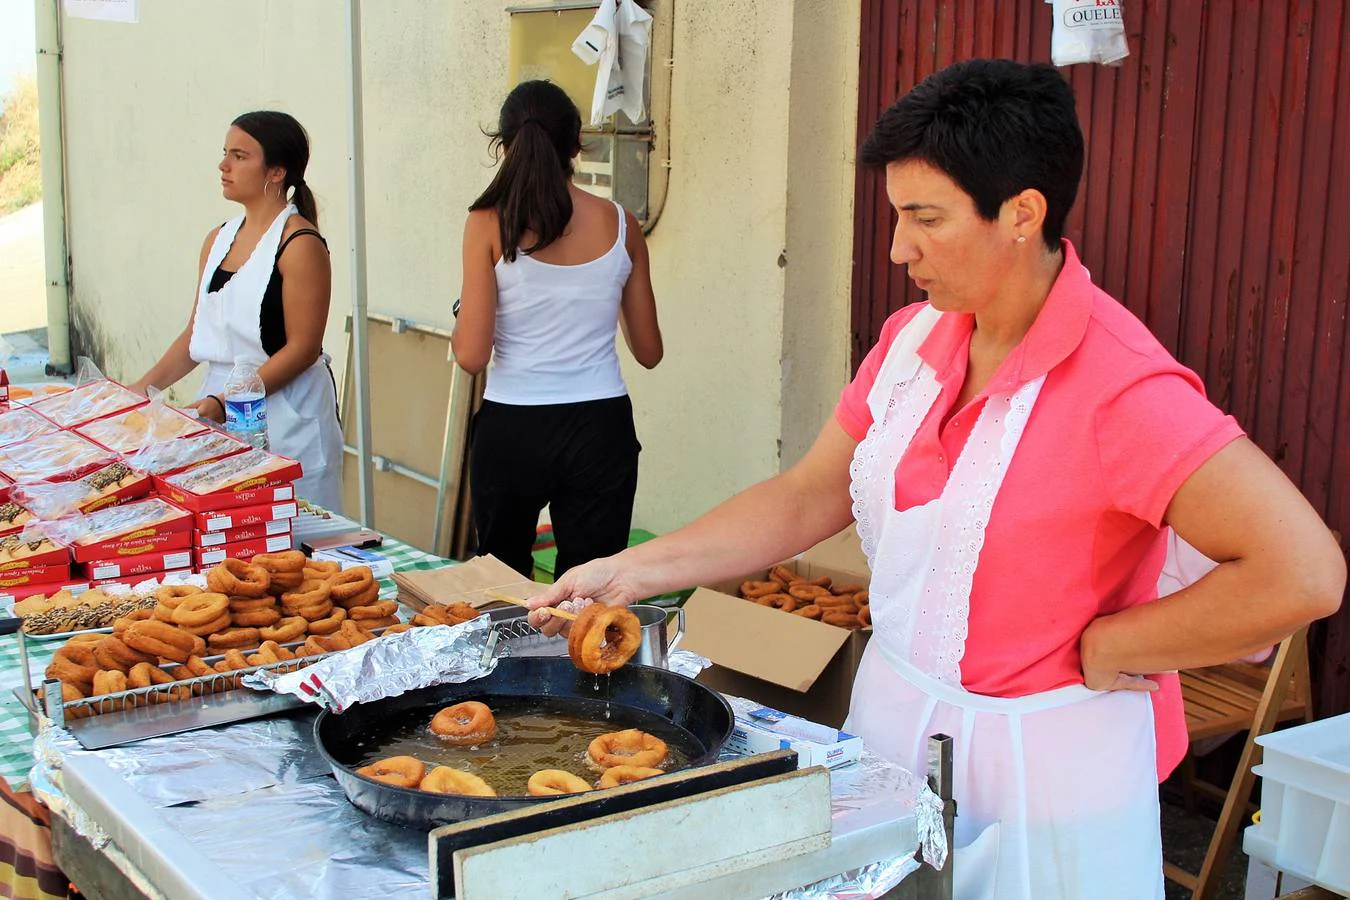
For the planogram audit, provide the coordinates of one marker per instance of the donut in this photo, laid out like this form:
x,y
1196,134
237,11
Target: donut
x,y
210,627
312,591
619,775
90,639
862,598
326,643
398,629
331,623
234,639
143,675
351,583
840,590
276,651
373,611
783,575
198,666
311,613
785,602
140,615
233,660
288,629
238,578
753,590
808,592
170,594
291,561
830,601
451,614
445,780
551,782
354,633
256,618
159,639
603,638
74,664
465,724
200,609
810,611
841,618
162,613
400,771
365,598
321,568
629,747
111,653
249,604
281,582
822,581
109,681
69,692
372,624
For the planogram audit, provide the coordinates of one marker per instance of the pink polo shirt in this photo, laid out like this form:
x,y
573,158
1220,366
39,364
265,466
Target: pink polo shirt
x,y
1075,532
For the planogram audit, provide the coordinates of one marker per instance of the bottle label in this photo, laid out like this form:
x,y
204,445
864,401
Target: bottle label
x,y
246,415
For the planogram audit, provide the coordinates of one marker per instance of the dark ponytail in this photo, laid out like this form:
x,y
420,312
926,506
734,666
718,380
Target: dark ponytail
x,y
539,132
285,143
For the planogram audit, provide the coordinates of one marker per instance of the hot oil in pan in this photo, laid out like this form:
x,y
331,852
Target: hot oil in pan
x,y
532,734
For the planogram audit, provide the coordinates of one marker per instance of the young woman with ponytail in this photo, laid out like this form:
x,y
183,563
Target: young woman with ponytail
x,y
263,291
550,274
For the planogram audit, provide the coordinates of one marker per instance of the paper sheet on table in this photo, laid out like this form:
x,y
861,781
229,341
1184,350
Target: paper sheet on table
x,y
469,582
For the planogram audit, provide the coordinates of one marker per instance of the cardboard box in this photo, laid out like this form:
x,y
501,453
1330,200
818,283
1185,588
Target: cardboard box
x,y
244,516
241,482
214,556
275,528
142,564
35,575
145,526
133,580
802,667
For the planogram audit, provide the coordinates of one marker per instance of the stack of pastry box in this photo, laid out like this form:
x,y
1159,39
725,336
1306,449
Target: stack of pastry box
x,y
162,492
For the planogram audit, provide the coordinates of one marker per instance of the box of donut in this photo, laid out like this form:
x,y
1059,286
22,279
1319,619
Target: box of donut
x,y
243,516
58,456
214,556
274,528
87,402
164,458
142,526
19,556
245,479
20,424
128,431
139,564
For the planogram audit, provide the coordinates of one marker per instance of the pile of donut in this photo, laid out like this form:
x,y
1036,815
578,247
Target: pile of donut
x,y
842,605
245,616
620,757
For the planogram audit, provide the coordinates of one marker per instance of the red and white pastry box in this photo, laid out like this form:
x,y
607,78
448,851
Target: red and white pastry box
x,y
34,575
43,559
274,528
133,580
58,456
44,588
214,556
21,424
144,526
251,478
166,458
13,517
87,402
240,517
128,431
113,484
143,565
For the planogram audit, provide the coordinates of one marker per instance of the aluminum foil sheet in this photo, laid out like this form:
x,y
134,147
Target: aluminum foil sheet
x,y
393,665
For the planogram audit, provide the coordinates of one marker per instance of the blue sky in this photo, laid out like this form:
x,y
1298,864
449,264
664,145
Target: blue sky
x,y
16,41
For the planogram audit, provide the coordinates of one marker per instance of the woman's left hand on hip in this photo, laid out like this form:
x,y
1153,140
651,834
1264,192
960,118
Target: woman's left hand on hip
x,y
1099,674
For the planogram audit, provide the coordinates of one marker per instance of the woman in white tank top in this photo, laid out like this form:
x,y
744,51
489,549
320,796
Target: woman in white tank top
x,y
550,273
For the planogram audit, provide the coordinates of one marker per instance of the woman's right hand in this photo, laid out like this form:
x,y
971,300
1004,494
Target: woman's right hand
x,y
607,581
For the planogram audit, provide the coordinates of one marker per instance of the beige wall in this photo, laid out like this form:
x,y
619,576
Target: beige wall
x,y
750,257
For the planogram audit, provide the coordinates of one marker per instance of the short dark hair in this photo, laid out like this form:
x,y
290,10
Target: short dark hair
x,y
540,128
995,127
284,143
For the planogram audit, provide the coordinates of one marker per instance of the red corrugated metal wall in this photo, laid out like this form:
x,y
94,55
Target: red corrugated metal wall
x,y
1212,205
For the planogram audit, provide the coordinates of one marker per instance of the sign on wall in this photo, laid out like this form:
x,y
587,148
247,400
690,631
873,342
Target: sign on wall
x,y
103,10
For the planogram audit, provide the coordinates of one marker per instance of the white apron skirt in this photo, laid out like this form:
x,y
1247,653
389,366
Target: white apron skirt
x,y
1056,792
301,417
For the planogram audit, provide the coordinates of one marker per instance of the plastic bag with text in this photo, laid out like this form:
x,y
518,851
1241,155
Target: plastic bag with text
x,y
1087,31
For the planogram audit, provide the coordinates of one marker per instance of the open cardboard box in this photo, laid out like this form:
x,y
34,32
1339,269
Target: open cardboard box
x,y
799,666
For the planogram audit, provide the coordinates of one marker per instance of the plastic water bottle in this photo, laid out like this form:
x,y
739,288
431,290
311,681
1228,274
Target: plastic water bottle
x,y
246,406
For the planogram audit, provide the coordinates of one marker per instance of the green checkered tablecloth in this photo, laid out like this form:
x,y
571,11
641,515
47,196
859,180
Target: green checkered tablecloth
x,y
16,742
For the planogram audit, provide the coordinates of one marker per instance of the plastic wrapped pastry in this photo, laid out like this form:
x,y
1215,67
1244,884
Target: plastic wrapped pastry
x,y
225,473
22,424
50,455
88,401
129,431
163,457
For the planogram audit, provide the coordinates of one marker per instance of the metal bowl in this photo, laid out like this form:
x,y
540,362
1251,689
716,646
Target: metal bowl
x,y
635,693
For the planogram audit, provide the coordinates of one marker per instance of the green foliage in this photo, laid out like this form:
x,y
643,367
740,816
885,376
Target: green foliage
x,y
20,156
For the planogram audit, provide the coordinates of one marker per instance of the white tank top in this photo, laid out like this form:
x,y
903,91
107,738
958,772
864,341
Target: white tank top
x,y
556,325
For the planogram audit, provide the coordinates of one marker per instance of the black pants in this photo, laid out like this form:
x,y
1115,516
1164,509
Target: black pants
x,y
579,459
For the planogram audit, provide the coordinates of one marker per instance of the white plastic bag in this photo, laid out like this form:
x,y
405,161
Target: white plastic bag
x,y
616,42
1087,31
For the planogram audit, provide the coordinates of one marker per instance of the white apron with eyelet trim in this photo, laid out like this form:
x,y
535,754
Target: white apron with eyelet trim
x,y
302,416
1057,792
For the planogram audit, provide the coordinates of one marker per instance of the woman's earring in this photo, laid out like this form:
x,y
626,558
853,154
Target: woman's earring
x,y
1021,239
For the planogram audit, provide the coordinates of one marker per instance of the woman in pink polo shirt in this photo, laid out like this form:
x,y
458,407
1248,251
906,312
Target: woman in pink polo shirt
x,y
1013,451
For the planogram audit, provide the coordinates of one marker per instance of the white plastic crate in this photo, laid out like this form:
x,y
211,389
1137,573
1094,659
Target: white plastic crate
x,y
1305,803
